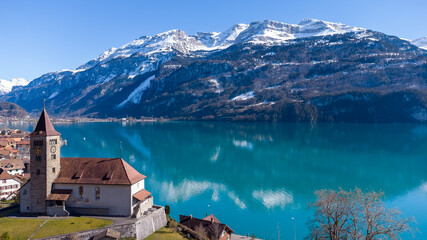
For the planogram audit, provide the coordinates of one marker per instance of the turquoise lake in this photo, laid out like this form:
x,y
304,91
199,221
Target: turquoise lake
x,y
256,177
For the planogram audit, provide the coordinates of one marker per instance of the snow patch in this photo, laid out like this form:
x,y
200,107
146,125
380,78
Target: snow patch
x,y
136,94
244,96
53,95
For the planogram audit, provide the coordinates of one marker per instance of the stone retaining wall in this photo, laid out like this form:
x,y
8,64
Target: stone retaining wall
x,y
141,228
57,211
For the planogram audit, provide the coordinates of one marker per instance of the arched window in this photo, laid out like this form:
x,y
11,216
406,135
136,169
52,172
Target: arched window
x,y
97,193
81,191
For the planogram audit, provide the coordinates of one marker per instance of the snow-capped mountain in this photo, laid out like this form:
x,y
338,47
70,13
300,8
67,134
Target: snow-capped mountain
x,y
272,32
265,32
7,85
420,42
264,70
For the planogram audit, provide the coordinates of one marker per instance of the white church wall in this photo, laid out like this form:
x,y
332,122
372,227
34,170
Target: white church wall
x,y
138,186
117,198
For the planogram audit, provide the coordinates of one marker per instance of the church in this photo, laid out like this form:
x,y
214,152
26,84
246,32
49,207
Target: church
x,y
79,186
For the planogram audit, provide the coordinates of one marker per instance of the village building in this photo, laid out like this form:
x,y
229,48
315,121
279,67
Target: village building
x,y
210,225
23,144
85,186
9,185
13,166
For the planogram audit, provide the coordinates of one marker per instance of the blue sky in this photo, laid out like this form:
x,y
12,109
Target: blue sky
x,y
42,36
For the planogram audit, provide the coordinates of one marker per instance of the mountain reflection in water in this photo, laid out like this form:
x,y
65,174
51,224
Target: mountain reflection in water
x,y
254,176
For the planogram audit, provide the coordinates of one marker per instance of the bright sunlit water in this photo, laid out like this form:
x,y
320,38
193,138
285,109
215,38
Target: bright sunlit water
x,y
256,177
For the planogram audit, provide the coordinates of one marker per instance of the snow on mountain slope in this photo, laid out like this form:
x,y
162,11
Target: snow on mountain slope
x,y
314,27
420,42
6,85
263,32
268,32
272,32
146,45
135,96
223,39
146,53
263,70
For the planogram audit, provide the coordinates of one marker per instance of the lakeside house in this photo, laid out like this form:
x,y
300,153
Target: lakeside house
x,y
13,166
9,185
85,186
210,225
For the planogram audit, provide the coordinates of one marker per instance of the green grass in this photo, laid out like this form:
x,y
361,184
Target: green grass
x,y
165,234
69,225
19,228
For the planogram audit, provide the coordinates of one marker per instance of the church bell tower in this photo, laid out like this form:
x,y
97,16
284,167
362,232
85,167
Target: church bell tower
x,y
45,162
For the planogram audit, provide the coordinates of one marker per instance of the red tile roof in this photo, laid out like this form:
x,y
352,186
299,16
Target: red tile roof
x,y
11,164
141,195
113,171
44,126
5,175
23,142
211,218
209,227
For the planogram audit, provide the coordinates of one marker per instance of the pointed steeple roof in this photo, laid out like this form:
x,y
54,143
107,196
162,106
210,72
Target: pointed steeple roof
x,y
44,126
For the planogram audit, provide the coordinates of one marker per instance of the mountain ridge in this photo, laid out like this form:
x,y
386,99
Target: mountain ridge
x,y
6,86
420,42
257,71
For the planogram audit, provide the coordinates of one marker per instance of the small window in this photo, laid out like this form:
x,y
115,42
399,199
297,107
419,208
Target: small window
x,y
25,192
53,169
81,191
97,193
53,156
52,141
38,158
38,171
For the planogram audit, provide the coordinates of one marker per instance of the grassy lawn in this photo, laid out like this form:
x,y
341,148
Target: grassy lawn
x,y
165,234
19,228
69,225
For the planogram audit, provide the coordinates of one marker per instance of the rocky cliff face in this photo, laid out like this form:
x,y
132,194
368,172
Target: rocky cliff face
x,y
263,71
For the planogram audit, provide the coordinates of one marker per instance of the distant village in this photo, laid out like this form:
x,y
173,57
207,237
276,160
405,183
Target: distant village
x,y
14,161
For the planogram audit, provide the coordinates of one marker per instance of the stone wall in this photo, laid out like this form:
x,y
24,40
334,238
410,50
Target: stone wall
x,y
25,198
146,225
89,211
57,211
142,207
141,228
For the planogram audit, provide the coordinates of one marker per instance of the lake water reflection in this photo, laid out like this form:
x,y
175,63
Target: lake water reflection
x,y
257,176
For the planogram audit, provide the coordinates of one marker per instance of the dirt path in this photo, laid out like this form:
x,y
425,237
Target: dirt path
x,y
41,225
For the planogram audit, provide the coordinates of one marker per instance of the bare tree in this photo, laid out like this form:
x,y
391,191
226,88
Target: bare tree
x,y
355,215
216,230
200,231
